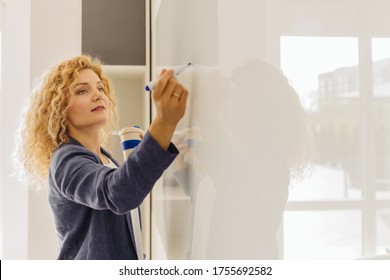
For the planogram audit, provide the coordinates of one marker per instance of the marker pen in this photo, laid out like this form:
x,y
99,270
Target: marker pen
x,y
150,86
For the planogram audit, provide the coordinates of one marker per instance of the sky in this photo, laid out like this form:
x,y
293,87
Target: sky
x,y
315,55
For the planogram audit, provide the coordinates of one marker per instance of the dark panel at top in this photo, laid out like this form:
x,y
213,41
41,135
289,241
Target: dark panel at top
x,y
114,30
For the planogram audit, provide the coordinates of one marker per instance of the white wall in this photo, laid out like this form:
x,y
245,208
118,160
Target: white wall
x,y
38,34
15,89
1,123
55,35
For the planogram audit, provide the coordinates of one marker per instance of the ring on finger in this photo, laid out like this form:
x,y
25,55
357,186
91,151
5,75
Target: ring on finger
x,y
178,95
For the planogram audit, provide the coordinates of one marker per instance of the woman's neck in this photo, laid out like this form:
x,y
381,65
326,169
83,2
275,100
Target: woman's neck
x,y
90,140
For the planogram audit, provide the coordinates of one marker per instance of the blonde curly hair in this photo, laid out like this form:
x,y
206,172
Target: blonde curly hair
x,y
44,127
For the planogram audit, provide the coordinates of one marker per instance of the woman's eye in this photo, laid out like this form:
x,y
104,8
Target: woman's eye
x,y
101,89
81,91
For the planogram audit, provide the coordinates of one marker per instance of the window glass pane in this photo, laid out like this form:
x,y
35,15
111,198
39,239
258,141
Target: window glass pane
x,y
324,71
383,232
322,235
381,90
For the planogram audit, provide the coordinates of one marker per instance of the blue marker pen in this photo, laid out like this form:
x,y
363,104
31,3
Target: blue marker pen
x,y
150,86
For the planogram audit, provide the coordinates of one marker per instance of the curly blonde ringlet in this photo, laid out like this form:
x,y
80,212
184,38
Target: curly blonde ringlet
x,y
44,127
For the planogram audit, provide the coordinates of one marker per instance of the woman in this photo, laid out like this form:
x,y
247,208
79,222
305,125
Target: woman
x,y
66,126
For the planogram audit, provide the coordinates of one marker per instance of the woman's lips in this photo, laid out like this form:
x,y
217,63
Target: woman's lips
x,y
98,108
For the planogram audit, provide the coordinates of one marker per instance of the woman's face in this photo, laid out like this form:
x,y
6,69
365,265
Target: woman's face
x,y
88,106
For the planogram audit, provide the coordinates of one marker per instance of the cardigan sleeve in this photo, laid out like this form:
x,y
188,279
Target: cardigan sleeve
x,y
78,175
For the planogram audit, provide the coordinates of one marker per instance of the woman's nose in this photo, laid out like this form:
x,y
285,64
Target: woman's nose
x,y
98,95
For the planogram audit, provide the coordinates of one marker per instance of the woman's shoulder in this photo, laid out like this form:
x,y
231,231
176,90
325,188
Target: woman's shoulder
x,y
74,152
72,146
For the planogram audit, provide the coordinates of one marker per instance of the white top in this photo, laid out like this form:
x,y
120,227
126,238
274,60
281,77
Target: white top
x,y
111,164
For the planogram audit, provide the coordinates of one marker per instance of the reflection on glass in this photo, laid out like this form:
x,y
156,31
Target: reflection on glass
x,y
225,194
381,90
304,236
172,210
259,131
325,73
244,137
383,232
236,164
241,141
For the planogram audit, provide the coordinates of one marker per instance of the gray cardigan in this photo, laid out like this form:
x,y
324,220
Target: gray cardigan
x,y
91,202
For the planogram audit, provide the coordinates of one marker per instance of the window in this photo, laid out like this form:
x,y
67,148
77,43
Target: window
x,y
381,93
341,209
310,62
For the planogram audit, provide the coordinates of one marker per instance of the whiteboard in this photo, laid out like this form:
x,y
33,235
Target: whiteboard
x,y
246,140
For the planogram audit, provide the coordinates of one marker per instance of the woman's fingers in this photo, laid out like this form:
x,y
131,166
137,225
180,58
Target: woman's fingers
x,y
162,82
169,97
184,96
